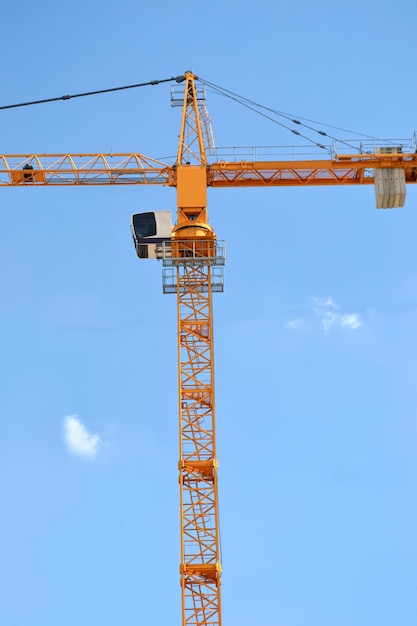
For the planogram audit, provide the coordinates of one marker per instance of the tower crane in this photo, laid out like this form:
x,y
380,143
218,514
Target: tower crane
x,y
193,260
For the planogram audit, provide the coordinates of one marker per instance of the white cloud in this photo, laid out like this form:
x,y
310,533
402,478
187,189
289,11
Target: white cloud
x,y
328,320
295,324
78,440
324,304
326,309
352,320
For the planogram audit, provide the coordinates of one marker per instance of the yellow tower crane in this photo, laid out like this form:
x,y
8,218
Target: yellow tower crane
x,y
193,261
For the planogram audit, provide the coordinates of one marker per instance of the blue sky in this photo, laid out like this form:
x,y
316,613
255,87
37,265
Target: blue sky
x,y
315,336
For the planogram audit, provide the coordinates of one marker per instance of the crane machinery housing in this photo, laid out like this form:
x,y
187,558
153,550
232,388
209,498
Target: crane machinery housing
x,y
193,261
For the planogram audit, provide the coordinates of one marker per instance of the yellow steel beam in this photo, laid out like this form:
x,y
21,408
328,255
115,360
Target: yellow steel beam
x,y
137,169
357,169
82,169
191,148
200,568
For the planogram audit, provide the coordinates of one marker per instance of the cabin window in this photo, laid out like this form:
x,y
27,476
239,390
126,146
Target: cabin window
x,y
144,225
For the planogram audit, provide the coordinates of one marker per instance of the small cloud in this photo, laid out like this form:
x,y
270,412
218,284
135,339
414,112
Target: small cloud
x,y
328,320
296,324
328,311
78,440
352,320
324,304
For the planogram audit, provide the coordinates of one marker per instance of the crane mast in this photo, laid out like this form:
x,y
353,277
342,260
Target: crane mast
x,y
193,263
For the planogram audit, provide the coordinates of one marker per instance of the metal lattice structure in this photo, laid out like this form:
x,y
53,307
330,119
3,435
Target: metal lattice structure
x,y
193,270
60,170
193,261
200,558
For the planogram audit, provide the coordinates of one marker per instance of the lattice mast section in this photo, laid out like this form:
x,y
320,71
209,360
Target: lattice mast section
x,y
193,264
192,261
200,558
193,270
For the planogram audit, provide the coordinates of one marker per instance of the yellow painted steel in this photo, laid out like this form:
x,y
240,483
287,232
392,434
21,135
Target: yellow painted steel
x,y
138,169
82,169
191,148
200,568
353,169
200,557
191,187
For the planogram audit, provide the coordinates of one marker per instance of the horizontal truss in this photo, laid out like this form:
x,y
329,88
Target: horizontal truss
x,y
82,169
355,169
137,169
